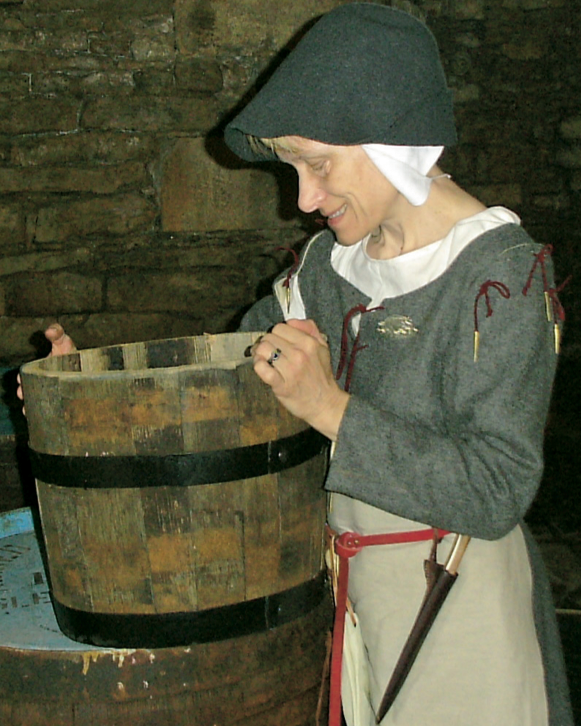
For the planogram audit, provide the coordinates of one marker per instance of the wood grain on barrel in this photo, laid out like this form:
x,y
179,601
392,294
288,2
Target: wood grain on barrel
x,y
171,548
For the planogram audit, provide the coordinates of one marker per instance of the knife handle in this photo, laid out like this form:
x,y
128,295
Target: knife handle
x,y
456,553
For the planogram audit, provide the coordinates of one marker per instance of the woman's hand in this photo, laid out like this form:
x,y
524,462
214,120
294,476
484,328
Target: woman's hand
x,y
293,359
61,344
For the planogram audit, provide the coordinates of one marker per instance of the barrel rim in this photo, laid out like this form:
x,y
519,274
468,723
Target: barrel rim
x,y
43,366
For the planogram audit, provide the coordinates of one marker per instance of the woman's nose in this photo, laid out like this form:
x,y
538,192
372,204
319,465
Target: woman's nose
x,y
311,195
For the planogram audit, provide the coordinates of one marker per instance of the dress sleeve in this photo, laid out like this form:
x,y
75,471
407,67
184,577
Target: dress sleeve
x,y
477,470
262,315
269,311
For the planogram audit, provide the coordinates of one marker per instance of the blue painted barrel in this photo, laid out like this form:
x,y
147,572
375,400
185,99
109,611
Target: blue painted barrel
x,y
46,679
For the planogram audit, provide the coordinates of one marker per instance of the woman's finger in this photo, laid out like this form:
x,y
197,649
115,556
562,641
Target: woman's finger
x,y
60,341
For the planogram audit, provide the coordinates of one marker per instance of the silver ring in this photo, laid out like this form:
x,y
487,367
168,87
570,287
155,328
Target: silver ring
x,y
274,356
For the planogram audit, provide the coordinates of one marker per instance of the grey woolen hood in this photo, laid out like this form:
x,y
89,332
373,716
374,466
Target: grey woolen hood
x,y
363,74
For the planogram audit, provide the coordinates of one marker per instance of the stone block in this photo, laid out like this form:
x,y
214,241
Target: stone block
x,y
16,40
154,42
528,42
62,41
161,115
108,328
551,202
203,24
54,293
37,115
148,11
507,163
37,16
466,93
508,195
23,337
468,9
155,81
18,336
21,62
43,261
47,41
5,149
203,189
477,130
82,148
571,128
80,83
105,9
12,227
104,180
104,216
533,4
193,292
14,85
199,75
83,62
570,158
111,44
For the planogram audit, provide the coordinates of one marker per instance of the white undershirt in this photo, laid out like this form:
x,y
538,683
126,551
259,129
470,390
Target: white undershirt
x,y
380,279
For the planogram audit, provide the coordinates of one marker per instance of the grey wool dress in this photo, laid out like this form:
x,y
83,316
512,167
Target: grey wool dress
x,y
444,428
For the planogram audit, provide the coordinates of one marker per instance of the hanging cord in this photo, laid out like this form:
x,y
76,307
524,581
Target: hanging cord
x,y
501,288
540,261
293,268
345,359
554,310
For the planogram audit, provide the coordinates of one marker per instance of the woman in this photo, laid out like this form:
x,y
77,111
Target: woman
x,y
413,334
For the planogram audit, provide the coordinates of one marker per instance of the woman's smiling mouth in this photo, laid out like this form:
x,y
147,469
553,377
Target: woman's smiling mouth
x,y
332,217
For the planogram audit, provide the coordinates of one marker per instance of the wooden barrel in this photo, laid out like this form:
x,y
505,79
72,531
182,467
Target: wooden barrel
x,y
180,502
46,679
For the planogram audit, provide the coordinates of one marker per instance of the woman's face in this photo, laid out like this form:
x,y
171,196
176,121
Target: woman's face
x,y
343,184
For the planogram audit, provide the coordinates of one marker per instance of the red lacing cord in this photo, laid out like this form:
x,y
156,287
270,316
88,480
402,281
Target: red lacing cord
x,y
293,267
555,311
553,293
540,258
345,360
501,288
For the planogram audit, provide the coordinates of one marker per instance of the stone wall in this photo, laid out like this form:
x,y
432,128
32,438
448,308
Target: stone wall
x,y
123,216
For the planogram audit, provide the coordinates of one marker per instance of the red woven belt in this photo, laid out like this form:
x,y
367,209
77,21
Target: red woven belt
x,y
347,545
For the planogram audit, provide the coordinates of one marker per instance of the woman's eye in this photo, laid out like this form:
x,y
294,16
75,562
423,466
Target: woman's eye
x,y
320,168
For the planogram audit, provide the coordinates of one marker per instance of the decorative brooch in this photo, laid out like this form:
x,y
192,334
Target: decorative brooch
x,y
397,326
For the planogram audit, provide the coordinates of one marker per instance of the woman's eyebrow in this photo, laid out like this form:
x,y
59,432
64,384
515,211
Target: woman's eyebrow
x,y
312,156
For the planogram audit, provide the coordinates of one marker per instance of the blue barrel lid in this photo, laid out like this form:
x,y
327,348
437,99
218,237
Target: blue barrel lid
x,y
27,619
